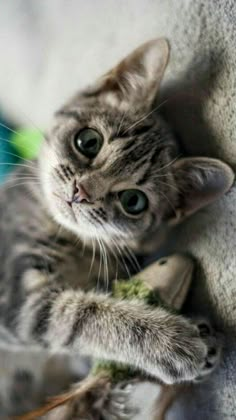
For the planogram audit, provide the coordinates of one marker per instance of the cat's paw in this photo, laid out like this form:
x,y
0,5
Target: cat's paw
x,y
213,350
201,353
191,355
117,406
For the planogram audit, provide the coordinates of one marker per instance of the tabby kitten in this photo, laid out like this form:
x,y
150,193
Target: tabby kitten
x,y
109,173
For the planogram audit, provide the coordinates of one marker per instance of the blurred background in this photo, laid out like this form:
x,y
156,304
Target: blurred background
x,y
51,48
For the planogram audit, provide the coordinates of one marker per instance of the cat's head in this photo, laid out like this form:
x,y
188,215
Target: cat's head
x,y
111,168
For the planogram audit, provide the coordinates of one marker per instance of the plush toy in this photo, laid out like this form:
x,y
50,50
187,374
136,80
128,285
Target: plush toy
x,y
15,145
27,142
165,282
7,152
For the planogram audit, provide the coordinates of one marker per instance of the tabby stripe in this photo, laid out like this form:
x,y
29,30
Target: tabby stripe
x,y
138,130
43,307
141,162
155,155
42,316
60,175
144,178
24,262
96,217
81,317
135,132
21,264
129,145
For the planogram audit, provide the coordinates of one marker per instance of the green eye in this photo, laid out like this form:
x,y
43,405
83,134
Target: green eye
x,y
133,201
88,142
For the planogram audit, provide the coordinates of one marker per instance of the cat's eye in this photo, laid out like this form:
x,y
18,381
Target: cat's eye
x,y
133,201
88,142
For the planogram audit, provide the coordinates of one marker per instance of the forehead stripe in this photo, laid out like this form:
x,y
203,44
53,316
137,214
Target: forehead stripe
x,y
126,133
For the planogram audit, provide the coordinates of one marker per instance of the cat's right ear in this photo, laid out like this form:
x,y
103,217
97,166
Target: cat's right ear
x,y
200,181
136,79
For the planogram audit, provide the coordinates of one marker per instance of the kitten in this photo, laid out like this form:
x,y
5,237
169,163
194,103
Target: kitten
x,y
109,173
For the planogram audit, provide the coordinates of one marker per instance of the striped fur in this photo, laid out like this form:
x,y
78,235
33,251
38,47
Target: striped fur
x,y
46,274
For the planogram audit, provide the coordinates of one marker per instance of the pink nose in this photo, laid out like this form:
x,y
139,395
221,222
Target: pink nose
x,y
80,194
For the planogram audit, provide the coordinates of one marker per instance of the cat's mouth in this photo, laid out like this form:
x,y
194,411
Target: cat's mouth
x,y
68,205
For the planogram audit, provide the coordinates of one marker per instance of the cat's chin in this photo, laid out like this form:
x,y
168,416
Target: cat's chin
x,y
70,223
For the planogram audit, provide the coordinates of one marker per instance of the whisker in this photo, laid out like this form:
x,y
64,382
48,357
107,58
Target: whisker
x,y
57,195
144,117
133,258
105,266
172,206
22,146
7,181
23,183
121,122
16,164
170,185
121,254
13,131
100,263
129,254
103,260
169,163
156,109
93,256
113,252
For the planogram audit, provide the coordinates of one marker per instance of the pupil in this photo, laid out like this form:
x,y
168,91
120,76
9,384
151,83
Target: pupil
x,y
133,201
91,143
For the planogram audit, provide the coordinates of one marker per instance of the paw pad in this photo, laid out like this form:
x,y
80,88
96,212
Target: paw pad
x,y
204,329
213,350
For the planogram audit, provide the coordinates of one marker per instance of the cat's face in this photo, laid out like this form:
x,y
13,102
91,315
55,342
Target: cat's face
x,y
110,167
109,177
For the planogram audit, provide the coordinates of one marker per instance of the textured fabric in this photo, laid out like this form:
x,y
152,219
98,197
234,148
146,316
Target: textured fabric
x,y
60,46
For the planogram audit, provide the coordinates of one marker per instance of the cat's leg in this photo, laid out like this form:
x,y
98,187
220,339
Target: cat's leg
x,y
160,343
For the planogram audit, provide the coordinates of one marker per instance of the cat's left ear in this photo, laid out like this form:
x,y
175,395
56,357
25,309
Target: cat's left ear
x,y
200,181
136,79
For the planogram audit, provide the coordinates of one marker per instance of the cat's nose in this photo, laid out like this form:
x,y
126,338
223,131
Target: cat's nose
x,y
80,195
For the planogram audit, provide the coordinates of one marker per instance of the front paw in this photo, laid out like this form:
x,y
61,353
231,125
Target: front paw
x,y
194,355
213,345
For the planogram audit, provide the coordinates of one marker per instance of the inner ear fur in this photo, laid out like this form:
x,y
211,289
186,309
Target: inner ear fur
x,y
200,181
137,77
